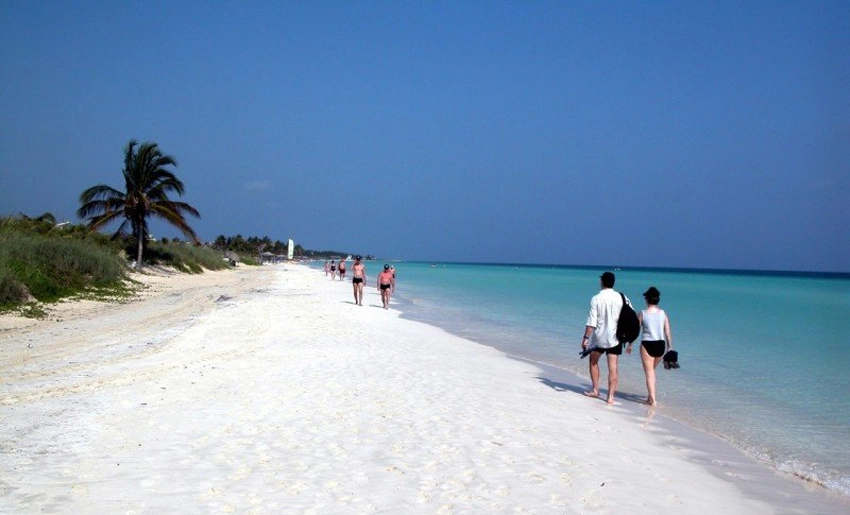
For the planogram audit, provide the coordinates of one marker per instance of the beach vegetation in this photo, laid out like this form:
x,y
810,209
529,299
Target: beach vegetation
x,y
148,182
32,310
253,245
332,254
185,256
44,262
248,249
250,260
38,263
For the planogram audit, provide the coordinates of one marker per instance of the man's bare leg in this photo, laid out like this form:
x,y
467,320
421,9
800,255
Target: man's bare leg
x,y
594,374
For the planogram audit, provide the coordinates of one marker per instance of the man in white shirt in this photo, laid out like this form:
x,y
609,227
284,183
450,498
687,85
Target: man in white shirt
x,y
600,334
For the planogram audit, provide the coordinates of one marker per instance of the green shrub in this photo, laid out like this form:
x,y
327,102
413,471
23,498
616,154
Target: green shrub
x,y
52,266
248,260
185,257
46,262
12,291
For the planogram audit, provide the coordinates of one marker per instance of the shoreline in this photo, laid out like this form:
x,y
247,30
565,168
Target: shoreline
x,y
532,313
701,439
757,479
764,480
266,390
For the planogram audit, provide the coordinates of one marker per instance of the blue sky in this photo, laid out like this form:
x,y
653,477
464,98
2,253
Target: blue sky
x,y
681,134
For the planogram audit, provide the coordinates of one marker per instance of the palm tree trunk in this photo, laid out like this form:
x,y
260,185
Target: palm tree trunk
x,y
141,248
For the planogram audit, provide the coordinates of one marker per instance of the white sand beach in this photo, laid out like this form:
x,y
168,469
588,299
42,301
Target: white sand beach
x,y
265,390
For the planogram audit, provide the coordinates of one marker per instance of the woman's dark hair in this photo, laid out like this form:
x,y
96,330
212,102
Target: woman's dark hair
x,y
652,295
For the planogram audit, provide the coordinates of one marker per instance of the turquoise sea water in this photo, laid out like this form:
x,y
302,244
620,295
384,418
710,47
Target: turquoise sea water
x,y
764,363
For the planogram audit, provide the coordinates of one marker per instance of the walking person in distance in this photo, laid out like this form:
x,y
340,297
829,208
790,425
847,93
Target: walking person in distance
x,y
358,280
385,283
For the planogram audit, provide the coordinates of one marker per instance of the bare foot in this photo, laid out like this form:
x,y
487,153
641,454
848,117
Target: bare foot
x,y
611,400
592,393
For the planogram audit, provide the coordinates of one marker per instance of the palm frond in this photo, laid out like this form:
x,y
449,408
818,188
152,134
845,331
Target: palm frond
x,y
148,181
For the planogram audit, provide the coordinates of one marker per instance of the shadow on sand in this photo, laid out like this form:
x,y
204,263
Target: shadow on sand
x,y
580,389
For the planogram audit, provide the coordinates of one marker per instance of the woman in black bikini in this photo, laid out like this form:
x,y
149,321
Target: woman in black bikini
x,y
656,339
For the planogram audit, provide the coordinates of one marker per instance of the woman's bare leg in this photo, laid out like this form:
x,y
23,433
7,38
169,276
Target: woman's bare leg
x,y
649,364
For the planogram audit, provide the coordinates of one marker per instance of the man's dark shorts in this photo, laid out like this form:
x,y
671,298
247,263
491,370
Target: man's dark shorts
x,y
618,350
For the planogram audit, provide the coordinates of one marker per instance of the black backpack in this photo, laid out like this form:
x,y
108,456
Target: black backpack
x,y
628,326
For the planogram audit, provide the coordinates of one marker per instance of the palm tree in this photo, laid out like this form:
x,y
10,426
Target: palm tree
x,y
220,243
47,218
147,185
